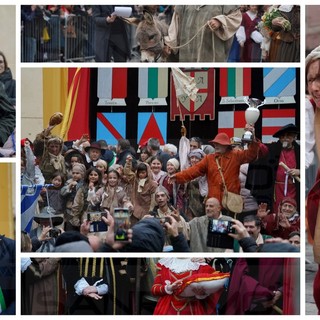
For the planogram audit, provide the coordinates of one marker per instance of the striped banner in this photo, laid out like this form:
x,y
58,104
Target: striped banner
x,y
273,120
112,86
279,85
76,112
111,126
152,125
235,83
153,86
232,123
67,90
29,202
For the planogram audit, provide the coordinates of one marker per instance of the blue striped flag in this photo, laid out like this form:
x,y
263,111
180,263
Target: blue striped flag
x,y
29,201
279,85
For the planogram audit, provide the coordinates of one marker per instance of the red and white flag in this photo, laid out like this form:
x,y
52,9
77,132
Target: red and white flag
x,y
231,123
273,120
112,86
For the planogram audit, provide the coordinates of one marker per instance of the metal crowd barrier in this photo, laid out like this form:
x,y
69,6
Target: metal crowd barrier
x,y
58,39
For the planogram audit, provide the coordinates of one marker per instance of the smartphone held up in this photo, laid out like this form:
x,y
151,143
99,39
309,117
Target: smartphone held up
x,y
121,223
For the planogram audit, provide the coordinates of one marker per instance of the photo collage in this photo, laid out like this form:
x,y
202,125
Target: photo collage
x,y
156,160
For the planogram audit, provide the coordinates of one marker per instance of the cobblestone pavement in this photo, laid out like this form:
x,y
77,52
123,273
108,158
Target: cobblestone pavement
x,y
311,269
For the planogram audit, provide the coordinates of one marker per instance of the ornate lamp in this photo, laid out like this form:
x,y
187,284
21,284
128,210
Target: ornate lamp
x,y
252,115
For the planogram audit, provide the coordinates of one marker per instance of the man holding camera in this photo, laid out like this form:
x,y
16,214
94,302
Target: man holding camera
x,y
199,227
49,228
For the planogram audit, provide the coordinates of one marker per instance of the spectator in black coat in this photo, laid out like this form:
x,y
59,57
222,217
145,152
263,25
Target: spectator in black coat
x,y
6,80
7,276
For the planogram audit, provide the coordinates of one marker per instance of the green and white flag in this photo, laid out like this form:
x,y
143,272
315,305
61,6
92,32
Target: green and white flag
x,y
153,86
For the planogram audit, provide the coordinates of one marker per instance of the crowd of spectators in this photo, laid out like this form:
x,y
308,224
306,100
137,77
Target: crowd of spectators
x,y
173,209
95,33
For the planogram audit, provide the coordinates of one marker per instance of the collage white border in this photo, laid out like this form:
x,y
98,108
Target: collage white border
x,y
16,160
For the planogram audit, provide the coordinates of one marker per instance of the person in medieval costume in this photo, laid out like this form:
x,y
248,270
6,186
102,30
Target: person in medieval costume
x,y
41,277
95,286
225,160
275,175
211,42
170,285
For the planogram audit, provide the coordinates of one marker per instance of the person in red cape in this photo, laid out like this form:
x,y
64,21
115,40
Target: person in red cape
x,y
170,282
313,210
256,285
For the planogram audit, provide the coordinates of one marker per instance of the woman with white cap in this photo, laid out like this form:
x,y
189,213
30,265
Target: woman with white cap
x,y
176,191
197,189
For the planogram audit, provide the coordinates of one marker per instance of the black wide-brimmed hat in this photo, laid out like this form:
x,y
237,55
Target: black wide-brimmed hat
x,y
71,153
94,145
287,128
49,213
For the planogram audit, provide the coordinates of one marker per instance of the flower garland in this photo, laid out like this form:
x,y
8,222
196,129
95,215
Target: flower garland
x,y
268,17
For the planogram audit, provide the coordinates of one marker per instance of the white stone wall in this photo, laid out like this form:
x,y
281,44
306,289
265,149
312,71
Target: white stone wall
x,y
32,102
312,27
8,35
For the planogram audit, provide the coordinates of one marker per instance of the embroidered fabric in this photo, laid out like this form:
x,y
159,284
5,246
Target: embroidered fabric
x,y
178,265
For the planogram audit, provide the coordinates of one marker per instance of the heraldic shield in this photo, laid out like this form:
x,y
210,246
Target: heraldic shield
x,y
204,103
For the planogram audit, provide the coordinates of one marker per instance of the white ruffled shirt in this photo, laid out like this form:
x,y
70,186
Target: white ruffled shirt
x,y
178,265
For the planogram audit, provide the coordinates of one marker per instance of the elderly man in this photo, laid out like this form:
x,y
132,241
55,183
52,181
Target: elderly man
x,y
282,222
274,176
199,227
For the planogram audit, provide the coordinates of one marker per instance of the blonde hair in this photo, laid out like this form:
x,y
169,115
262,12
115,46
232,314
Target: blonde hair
x,y
103,163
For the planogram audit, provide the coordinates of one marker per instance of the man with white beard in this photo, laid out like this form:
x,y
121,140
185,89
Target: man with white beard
x,y
276,173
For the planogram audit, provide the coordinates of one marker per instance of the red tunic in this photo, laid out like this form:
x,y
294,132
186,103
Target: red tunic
x,y
313,202
230,163
274,229
287,157
170,304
